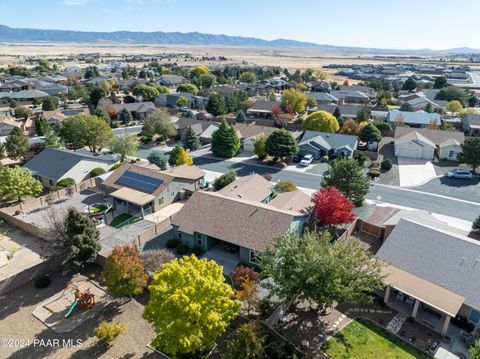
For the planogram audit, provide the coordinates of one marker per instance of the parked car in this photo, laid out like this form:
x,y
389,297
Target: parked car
x,y
459,174
297,158
433,349
306,160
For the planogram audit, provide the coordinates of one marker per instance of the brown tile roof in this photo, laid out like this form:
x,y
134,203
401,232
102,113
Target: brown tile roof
x,y
381,214
244,223
435,136
252,188
184,171
297,201
112,179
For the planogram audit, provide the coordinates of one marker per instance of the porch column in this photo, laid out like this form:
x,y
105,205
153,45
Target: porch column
x,y
143,214
415,308
445,324
387,293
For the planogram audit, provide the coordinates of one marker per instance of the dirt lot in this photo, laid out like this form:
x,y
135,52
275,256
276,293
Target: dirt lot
x,y
17,322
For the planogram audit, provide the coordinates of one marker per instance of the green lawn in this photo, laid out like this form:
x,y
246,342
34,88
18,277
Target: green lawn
x,y
123,220
98,209
363,339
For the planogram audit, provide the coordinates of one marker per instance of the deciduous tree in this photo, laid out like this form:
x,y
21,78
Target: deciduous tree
x,y
124,274
191,88
160,123
332,207
454,107
190,305
179,156
295,99
124,146
181,101
224,180
312,267
260,146
284,186
17,183
248,343
321,121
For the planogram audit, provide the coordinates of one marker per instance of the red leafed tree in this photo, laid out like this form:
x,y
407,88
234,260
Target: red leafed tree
x,y
332,207
276,110
241,273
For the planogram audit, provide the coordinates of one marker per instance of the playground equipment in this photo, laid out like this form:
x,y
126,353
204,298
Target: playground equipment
x,y
84,300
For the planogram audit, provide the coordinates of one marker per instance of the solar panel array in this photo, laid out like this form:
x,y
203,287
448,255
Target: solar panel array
x,y
140,182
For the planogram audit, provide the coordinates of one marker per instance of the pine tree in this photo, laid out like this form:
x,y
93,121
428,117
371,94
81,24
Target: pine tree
x,y
280,144
17,144
216,105
191,140
51,139
337,113
125,116
225,141
240,117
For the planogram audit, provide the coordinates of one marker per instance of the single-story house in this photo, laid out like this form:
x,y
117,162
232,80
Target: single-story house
x,y
171,80
170,100
244,228
28,95
52,164
7,124
350,96
183,123
249,133
322,97
321,144
471,124
141,191
419,119
139,110
262,108
54,117
250,188
431,274
426,143
319,86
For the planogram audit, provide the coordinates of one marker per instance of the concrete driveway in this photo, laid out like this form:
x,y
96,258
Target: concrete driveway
x,y
414,172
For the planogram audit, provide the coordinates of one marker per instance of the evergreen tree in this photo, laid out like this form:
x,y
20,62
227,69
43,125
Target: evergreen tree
x,y
17,144
40,125
337,113
157,158
125,116
428,108
347,176
225,141
191,140
280,144
371,133
470,153
216,105
409,85
240,117
51,139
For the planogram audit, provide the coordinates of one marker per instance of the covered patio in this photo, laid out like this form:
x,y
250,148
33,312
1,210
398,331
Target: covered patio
x,y
227,260
428,303
132,201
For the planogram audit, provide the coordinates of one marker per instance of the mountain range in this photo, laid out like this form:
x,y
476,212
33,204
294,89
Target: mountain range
x,y
23,35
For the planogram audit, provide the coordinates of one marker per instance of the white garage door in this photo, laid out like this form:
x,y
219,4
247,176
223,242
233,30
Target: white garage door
x,y
409,152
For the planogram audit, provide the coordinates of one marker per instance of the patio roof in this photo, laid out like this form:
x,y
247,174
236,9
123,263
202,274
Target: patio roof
x,y
133,196
429,293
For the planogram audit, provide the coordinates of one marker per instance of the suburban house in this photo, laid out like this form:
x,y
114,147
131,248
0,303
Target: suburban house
x,y
426,143
471,124
139,110
321,144
346,111
262,108
322,97
183,123
319,86
52,164
431,274
28,95
171,80
7,124
141,191
241,220
419,119
350,96
170,100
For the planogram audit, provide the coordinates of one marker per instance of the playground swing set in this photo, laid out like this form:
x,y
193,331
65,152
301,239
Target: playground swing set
x,y
84,300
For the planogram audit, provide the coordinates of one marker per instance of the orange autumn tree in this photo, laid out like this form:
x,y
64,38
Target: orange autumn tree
x,y
124,274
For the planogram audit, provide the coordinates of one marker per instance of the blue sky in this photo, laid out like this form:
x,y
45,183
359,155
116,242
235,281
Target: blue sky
x,y
412,24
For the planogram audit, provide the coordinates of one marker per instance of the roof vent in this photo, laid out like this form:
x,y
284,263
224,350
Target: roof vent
x,y
463,260
240,195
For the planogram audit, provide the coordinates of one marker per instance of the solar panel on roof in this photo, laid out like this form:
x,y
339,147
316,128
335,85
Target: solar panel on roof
x,y
138,181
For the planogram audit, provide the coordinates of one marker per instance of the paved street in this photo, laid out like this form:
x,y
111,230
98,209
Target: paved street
x,y
441,195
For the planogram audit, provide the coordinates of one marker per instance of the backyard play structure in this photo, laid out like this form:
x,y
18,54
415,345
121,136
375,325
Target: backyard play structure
x,y
84,300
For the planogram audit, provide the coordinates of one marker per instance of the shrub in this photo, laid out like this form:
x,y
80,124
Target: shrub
x,y
42,282
374,173
240,273
386,165
360,158
108,331
154,259
197,251
172,243
182,249
325,158
97,172
55,188
115,166
382,126
224,180
285,186
375,164
66,182
265,307
146,139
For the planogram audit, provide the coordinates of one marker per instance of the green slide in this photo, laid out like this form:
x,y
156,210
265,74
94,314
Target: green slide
x,y
72,307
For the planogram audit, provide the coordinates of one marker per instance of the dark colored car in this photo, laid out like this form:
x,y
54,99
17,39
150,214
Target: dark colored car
x,y
297,158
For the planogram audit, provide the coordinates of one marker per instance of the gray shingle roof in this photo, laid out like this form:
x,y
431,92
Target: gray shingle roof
x,y
445,259
54,163
329,140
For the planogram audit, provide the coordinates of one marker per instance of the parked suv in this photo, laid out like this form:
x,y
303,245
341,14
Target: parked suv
x,y
459,174
306,160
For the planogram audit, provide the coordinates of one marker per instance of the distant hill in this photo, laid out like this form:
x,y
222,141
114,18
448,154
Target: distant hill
x,y
16,35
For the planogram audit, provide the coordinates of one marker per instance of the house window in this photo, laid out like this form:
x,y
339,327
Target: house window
x,y
179,234
160,200
254,257
450,154
199,240
474,316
